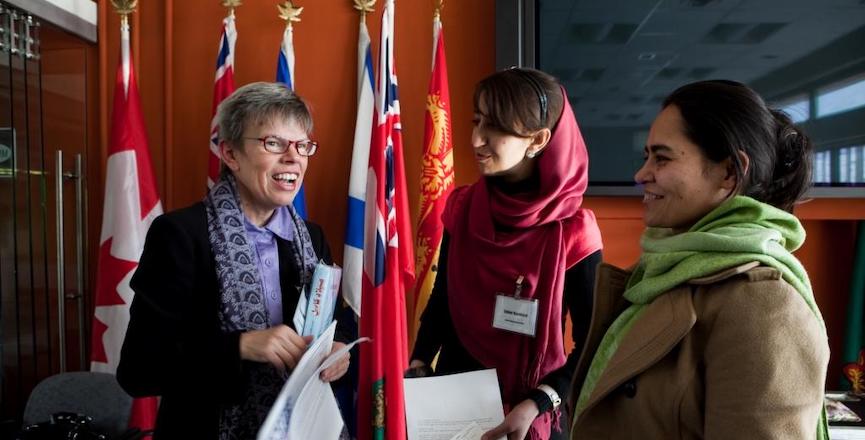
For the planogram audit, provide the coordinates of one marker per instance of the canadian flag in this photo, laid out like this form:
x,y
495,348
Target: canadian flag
x,y
131,204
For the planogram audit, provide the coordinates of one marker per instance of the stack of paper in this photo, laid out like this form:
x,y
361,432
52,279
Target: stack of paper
x,y
306,408
456,406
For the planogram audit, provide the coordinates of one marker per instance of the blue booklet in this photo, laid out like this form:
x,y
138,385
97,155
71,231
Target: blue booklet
x,y
317,303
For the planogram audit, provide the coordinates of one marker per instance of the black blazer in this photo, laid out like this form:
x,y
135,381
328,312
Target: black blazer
x,y
174,347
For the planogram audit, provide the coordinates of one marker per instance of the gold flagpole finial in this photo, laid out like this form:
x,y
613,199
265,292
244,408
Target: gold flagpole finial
x,y
124,8
231,4
364,7
439,4
289,12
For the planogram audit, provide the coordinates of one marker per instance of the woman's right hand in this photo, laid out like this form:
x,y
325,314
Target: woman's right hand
x,y
417,368
280,346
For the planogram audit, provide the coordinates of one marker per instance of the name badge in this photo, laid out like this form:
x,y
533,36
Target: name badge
x,y
516,315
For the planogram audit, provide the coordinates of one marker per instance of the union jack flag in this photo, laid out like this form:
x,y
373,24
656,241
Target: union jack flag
x,y
222,87
388,267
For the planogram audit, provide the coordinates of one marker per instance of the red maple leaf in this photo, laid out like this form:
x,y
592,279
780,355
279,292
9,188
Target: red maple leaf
x,y
97,352
109,275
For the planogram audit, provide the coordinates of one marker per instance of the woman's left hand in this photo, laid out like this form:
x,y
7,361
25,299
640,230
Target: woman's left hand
x,y
517,422
339,368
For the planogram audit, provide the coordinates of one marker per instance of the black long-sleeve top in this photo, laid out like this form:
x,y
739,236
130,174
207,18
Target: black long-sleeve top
x,y
174,344
437,333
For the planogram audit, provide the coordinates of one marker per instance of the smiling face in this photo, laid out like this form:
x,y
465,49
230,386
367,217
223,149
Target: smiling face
x,y
501,154
680,185
266,181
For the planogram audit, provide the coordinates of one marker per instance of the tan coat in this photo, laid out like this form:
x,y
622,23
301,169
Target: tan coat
x,y
735,355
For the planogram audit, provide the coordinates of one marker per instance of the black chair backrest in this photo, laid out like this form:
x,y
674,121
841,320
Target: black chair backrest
x,y
97,395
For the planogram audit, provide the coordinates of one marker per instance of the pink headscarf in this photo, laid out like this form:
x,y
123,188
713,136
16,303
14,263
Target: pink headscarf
x,y
540,235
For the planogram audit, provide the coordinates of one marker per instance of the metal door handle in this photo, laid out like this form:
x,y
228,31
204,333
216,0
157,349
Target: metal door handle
x,y
61,273
79,254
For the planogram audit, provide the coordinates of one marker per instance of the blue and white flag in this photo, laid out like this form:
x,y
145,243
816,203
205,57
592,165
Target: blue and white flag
x,y
285,74
353,252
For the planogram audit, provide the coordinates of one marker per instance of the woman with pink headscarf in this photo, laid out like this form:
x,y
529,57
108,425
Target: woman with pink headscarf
x,y
518,253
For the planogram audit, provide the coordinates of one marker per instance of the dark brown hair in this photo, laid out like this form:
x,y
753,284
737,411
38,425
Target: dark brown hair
x,y
724,117
520,101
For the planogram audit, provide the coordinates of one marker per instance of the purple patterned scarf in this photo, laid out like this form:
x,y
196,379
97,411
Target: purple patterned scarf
x,y
242,302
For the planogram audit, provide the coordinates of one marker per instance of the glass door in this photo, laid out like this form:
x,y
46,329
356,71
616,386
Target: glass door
x,y
43,144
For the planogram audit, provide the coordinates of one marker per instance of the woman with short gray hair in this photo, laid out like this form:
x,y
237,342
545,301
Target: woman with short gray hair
x,y
211,324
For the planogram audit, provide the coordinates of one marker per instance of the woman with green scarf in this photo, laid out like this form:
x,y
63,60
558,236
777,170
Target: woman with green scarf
x,y
715,332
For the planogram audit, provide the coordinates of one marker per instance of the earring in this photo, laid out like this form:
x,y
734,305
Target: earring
x,y
531,154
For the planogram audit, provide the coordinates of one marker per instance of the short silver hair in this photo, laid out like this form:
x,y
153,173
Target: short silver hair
x,y
258,103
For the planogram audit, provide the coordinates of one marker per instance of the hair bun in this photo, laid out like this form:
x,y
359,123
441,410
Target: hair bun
x,y
790,146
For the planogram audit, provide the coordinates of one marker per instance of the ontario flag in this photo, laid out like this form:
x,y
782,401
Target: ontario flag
x,y
437,178
285,75
388,261
222,87
131,204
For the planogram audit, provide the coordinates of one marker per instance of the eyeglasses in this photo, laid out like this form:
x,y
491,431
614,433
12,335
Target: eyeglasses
x,y
278,145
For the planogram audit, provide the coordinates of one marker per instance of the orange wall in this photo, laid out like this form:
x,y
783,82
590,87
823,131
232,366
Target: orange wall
x,y
175,44
827,254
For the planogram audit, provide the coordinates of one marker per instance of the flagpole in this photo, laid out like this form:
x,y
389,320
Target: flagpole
x,y
291,14
124,8
131,203
364,7
285,74
437,178
354,231
231,4
223,86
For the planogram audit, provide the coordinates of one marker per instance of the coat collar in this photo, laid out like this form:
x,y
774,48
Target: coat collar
x,y
726,273
657,331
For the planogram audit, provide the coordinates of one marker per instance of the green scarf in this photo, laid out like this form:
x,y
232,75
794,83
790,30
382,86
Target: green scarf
x,y
739,231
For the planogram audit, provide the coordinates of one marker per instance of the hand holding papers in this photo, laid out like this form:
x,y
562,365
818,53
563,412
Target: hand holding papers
x,y
306,407
445,407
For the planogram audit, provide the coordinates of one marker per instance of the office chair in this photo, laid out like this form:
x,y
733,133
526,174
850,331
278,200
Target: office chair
x,y
97,395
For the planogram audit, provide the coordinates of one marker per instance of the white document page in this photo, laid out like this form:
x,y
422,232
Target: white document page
x,y
316,413
471,432
305,407
441,407
846,432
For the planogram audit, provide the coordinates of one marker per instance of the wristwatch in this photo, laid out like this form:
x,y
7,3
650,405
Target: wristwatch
x,y
552,394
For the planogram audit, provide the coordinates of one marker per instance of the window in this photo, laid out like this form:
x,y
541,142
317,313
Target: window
x,y
619,60
799,108
841,97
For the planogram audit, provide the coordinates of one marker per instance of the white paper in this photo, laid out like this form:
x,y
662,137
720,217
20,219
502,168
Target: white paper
x,y
846,432
306,407
471,432
440,407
